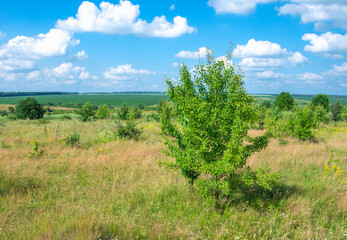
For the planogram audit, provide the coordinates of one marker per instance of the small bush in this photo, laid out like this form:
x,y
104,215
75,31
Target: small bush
x,y
135,113
36,151
123,112
87,111
129,131
73,140
29,108
103,112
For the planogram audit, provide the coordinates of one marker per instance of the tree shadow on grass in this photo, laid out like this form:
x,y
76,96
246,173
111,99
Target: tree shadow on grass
x,y
259,198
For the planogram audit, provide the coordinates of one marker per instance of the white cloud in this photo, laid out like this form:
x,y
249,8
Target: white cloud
x,y
79,56
125,73
326,42
172,7
309,76
65,73
259,49
54,43
320,12
201,53
15,65
236,6
291,61
123,19
337,71
270,74
332,56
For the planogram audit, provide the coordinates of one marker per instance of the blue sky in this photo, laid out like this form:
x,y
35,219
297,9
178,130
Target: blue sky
x,y
298,46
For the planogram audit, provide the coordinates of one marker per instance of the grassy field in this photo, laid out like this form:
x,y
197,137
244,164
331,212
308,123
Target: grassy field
x,y
146,99
114,189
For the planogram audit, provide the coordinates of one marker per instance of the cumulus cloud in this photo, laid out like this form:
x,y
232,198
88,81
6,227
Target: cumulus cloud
x,y
79,56
123,19
326,43
309,76
16,65
125,73
290,61
200,53
54,43
64,73
259,49
236,6
337,71
261,55
320,12
270,74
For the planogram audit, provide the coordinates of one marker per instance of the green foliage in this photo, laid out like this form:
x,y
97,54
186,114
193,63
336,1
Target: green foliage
x,y
73,140
165,112
284,101
29,108
103,112
344,113
214,114
152,116
36,151
87,111
336,109
135,113
123,112
266,104
11,110
321,100
129,131
303,124
320,114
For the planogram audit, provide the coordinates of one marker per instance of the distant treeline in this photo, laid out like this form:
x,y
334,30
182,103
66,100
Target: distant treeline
x,y
18,94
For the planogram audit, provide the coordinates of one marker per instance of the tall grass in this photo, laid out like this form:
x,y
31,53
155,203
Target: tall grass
x,y
115,189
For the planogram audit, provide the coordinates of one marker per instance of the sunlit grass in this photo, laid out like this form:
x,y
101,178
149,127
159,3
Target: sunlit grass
x,y
107,188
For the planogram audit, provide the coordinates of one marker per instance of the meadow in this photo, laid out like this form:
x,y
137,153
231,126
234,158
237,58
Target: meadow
x,y
109,188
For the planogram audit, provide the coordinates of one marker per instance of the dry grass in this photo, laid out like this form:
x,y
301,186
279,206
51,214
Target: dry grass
x,y
116,190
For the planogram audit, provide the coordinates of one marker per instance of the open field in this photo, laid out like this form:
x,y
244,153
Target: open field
x,y
146,99
114,189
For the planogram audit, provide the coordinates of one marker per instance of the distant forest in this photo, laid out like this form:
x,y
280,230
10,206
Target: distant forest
x,y
17,94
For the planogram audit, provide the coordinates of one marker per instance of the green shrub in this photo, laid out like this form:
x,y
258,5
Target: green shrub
x,y
214,114
129,131
344,113
87,111
321,100
36,151
103,112
123,112
336,109
135,113
284,101
73,140
152,116
304,123
29,108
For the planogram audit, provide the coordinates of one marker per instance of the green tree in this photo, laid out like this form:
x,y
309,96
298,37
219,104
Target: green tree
x,y
336,109
87,111
344,113
322,100
304,123
11,110
214,114
135,113
123,112
102,112
284,101
29,108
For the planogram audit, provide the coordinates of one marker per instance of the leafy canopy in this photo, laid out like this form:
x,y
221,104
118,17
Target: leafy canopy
x,y
210,142
29,108
284,101
321,100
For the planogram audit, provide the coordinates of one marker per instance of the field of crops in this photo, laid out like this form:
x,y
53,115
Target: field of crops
x,y
146,99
